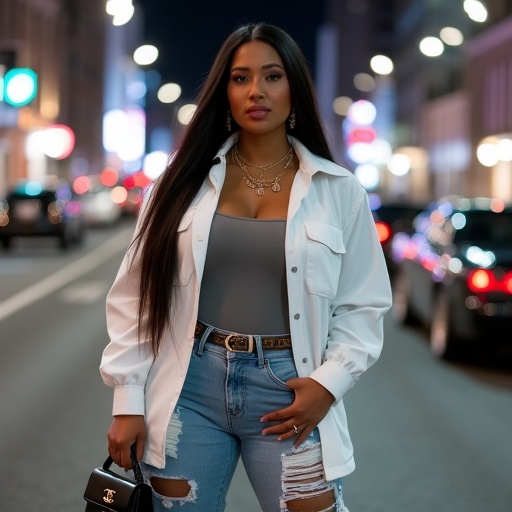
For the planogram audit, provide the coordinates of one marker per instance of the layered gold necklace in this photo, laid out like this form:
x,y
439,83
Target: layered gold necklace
x,y
259,184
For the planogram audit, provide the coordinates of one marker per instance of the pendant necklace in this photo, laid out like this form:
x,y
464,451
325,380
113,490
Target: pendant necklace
x,y
259,184
262,167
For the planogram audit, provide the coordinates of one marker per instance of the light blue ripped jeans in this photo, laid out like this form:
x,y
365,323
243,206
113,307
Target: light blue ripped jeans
x,y
217,420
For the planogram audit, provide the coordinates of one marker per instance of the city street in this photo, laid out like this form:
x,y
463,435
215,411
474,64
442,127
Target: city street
x,y
428,435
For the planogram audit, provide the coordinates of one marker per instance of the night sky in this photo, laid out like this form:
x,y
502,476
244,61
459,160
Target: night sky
x,y
188,33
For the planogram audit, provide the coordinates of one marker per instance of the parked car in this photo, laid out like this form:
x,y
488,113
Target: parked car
x,y
135,184
131,205
43,207
454,274
100,206
391,218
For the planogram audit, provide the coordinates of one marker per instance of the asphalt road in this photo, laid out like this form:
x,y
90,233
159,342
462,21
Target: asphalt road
x,y
428,435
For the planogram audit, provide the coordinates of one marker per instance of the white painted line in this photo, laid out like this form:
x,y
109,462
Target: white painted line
x,y
65,275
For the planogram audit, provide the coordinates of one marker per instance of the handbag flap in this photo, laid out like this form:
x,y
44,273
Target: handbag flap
x,y
113,492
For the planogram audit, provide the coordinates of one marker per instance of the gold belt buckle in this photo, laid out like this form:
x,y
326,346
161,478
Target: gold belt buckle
x,y
249,337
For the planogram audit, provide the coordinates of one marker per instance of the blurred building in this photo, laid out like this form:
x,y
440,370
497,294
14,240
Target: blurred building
x,y
449,114
62,41
448,103
353,32
125,88
489,93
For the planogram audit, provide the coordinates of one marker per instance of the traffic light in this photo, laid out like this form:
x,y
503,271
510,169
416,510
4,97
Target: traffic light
x,y
19,86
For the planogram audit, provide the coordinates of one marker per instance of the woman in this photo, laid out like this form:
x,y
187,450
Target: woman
x,y
260,234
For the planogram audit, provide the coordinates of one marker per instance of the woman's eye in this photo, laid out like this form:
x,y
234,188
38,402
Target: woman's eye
x,y
274,77
238,79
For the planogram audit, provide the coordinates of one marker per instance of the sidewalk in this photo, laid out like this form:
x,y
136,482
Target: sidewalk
x,y
240,495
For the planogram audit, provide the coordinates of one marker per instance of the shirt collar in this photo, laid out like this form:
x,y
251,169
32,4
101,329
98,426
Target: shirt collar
x,y
312,163
309,162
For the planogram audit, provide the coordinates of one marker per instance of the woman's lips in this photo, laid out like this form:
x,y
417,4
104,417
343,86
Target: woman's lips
x,y
258,112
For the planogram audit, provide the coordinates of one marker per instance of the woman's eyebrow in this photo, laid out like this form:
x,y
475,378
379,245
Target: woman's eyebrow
x,y
266,66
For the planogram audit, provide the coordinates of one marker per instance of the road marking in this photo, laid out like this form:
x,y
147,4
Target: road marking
x,y
65,275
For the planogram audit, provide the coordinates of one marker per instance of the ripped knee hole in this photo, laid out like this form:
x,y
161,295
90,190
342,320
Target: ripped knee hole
x,y
171,487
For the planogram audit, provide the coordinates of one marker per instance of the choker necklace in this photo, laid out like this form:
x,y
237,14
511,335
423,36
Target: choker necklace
x,y
262,167
259,184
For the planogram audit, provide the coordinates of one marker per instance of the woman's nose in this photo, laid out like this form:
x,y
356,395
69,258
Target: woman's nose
x,y
256,93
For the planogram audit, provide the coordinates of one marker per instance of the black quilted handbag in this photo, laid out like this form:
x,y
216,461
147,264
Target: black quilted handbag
x,y
108,491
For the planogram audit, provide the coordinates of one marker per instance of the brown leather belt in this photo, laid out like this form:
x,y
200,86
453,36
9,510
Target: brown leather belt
x,y
243,342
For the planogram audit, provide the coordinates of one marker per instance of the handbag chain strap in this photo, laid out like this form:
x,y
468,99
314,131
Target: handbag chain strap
x,y
135,465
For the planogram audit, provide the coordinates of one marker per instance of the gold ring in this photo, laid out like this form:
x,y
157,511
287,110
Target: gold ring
x,y
295,428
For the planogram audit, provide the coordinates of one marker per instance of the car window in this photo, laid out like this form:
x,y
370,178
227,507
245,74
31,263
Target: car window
x,y
390,214
486,226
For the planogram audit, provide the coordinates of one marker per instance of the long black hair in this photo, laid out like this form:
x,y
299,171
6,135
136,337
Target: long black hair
x,y
192,160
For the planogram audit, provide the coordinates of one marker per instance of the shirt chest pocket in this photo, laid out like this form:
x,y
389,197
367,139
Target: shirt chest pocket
x,y
325,249
185,256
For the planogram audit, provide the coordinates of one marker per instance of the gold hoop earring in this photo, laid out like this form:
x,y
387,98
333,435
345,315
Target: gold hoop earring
x,y
292,119
228,121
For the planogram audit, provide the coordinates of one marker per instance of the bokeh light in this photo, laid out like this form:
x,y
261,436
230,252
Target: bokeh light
x,y
60,141
154,164
399,164
186,112
381,65
487,154
169,93
341,105
475,10
121,10
145,55
56,141
451,36
504,147
362,112
364,82
431,46
368,175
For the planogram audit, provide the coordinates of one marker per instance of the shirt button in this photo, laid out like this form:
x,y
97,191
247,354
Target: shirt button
x,y
304,359
296,316
294,269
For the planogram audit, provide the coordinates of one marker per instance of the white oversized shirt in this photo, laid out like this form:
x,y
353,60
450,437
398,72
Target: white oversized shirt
x,y
338,293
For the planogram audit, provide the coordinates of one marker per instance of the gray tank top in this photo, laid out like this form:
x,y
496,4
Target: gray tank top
x,y
244,283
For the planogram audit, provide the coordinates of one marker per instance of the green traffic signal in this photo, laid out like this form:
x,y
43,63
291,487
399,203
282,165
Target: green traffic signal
x,y
20,86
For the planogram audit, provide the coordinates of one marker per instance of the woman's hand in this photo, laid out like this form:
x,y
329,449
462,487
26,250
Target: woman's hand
x,y
311,404
124,431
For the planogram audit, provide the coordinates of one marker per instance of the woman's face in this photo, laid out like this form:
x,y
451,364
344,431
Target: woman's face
x,y
258,89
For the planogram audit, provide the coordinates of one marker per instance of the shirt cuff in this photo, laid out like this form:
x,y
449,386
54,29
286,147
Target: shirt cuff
x,y
128,400
334,378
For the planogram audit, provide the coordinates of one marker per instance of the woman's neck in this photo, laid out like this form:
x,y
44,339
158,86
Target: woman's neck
x,y
262,150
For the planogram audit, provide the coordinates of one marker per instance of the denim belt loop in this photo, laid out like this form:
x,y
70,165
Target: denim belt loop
x,y
259,350
202,341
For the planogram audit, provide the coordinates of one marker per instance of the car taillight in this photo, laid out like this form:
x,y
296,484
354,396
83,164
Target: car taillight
x,y
383,231
507,283
482,280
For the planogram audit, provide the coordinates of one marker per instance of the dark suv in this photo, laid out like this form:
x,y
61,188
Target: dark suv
x,y
454,274
41,207
391,218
